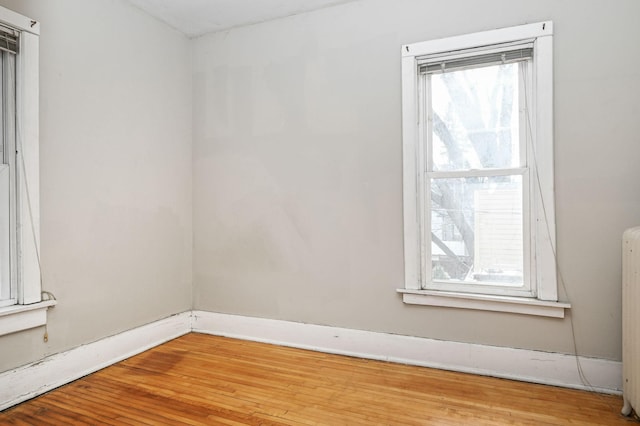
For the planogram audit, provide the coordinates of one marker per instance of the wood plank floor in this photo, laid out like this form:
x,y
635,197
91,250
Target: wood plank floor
x,y
200,379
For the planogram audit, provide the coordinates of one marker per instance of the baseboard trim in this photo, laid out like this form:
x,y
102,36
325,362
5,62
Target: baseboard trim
x,y
518,364
34,379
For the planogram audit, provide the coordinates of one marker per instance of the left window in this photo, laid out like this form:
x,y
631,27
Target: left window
x,y
21,304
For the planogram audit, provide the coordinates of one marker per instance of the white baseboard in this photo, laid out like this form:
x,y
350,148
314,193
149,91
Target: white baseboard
x,y
31,380
518,364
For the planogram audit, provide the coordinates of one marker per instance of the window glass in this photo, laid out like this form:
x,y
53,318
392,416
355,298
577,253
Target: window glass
x,y
475,118
477,230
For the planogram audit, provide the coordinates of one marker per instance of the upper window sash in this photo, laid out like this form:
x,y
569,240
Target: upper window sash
x,y
426,123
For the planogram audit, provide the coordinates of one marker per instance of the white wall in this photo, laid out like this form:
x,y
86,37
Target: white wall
x,y
115,158
297,168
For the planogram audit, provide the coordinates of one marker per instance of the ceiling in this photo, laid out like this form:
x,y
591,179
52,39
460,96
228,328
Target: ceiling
x,y
197,17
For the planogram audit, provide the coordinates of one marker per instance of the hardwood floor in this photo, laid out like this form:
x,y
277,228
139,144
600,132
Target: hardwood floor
x,y
200,379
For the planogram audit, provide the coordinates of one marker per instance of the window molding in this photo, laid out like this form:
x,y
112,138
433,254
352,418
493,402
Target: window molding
x,y
28,169
543,275
23,317
30,309
485,302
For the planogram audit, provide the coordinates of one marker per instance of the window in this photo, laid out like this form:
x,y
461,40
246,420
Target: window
x,y
21,304
478,171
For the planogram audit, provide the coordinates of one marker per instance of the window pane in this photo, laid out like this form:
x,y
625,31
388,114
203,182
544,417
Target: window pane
x,y
477,230
475,118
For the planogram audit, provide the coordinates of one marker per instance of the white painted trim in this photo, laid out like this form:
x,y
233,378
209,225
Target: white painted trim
x,y
34,379
517,364
540,263
484,38
28,170
542,166
19,22
23,317
485,302
410,188
27,209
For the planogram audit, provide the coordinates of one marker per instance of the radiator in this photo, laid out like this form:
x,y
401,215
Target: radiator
x,y
631,320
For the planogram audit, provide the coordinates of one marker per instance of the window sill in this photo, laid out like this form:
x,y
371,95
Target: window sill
x,y
518,305
22,317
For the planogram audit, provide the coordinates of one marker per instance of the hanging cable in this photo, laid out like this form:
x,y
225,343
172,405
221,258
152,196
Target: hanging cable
x,y
581,374
22,173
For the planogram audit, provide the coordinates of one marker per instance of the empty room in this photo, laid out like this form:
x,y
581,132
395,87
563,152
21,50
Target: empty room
x,y
297,212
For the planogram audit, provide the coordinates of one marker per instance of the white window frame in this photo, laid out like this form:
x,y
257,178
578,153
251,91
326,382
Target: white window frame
x,y
29,310
541,198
